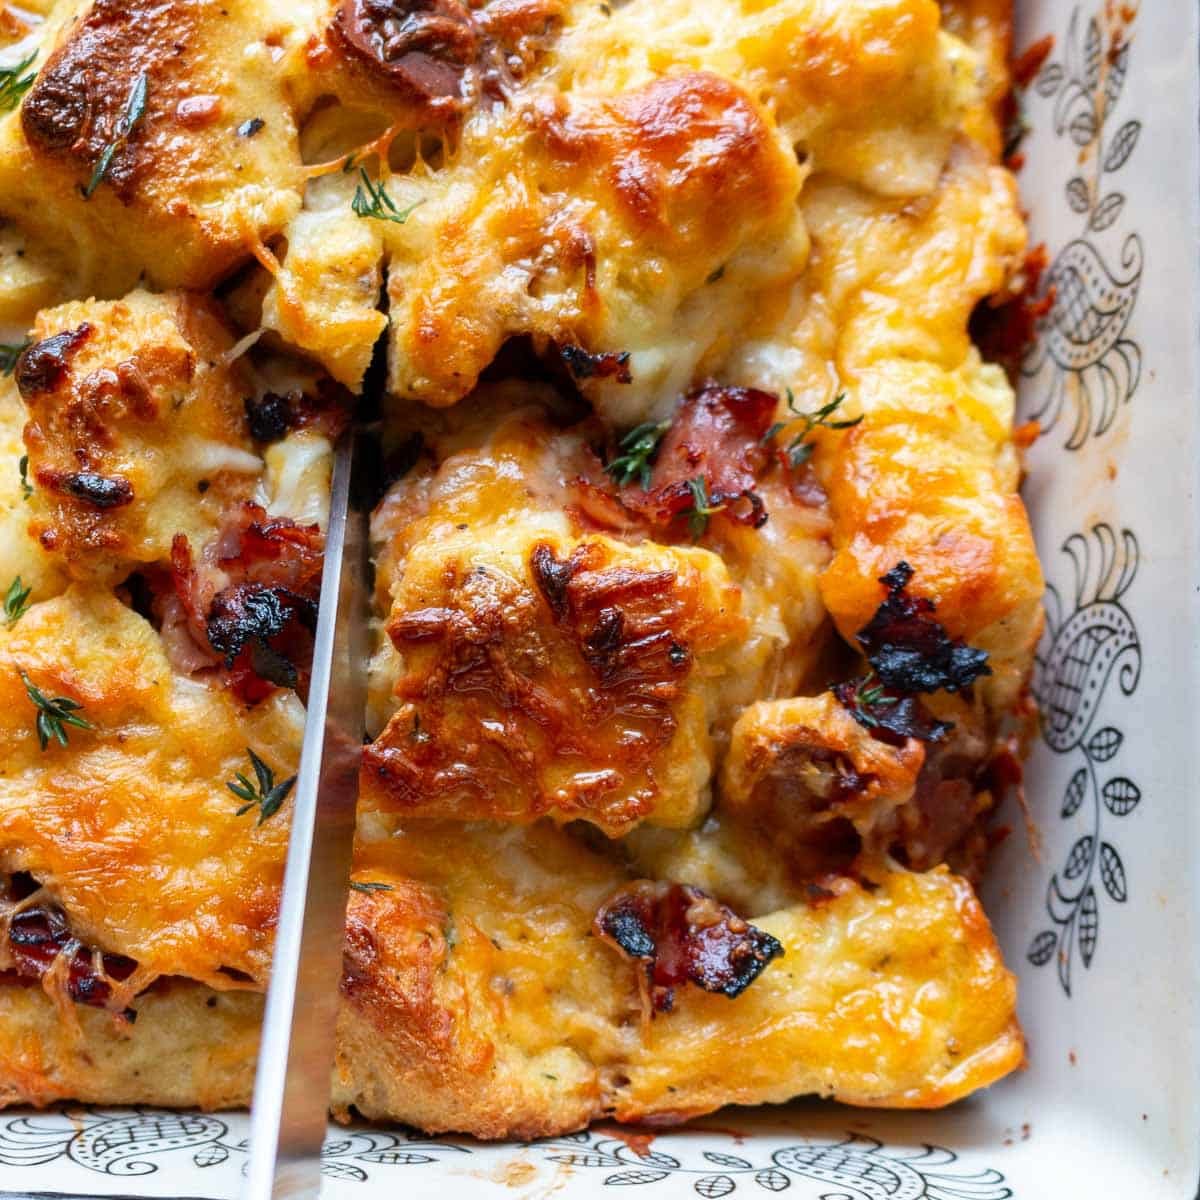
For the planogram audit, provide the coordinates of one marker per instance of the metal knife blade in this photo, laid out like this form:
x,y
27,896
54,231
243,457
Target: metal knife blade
x,y
289,1115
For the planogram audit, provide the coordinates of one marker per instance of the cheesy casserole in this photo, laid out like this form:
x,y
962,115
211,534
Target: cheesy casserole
x,y
705,602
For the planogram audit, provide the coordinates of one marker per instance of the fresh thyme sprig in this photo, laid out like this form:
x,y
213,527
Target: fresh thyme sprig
x,y
135,109
702,507
23,467
16,601
14,85
638,448
265,794
371,200
54,714
800,449
9,353
370,885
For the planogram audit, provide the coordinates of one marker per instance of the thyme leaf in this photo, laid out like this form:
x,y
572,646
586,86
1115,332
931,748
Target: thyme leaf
x,y
53,715
135,109
800,449
26,486
14,85
369,885
702,507
264,793
16,601
638,448
9,353
371,200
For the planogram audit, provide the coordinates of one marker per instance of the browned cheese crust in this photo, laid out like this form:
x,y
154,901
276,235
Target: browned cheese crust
x,y
705,601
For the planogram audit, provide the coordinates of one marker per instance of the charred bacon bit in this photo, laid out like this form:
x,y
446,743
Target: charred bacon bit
x,y
249,615
891,718
1004,327
40,933
269,416
1029,62
909,650
584,365
273,415
252,600
680,935
910,653
423,48
42,365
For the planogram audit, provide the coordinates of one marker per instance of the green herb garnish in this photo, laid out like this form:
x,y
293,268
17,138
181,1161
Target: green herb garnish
x,y
14,85
800,449
16,601
638,448
371,200
54,714
370,885
702,507
867,694
265,794
135,109
23,467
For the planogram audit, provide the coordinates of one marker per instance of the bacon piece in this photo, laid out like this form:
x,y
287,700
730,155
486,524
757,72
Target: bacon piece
x,y
891,718
1004,326
584,365
250,603
423,49
39,934
909,650
680,935
717,435
273,415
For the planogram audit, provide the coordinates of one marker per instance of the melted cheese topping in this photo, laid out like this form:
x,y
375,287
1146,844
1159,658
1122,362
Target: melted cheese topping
x,y
526,1024
546,669
795,195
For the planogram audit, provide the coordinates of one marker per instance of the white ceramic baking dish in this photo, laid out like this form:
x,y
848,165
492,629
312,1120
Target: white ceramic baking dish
x,y
1100,921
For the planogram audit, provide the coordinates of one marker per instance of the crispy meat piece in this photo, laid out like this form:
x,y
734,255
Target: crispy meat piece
x,y
909,653
39,934
717,436
891,717
250,601
681,935
909,650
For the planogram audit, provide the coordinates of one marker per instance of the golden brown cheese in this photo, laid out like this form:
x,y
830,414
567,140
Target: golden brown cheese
x,y
635,191
130,826
137,430
187,189
797,195
21,554
477,998
543,667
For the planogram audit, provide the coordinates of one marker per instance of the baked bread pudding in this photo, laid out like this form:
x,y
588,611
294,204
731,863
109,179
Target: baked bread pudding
x,y
704,600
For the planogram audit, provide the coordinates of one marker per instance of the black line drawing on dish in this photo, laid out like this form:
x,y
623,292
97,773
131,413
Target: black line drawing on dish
x,y
1080,651
1081,353
859,1167
138,1142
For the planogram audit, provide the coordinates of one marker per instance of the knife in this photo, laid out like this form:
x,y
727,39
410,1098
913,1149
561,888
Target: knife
x,y
289,1114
